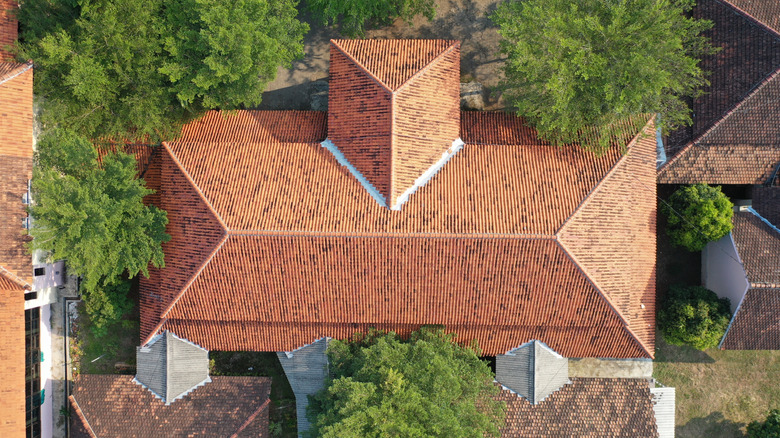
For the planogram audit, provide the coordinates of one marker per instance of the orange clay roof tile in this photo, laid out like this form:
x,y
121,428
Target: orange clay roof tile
x,y
315,256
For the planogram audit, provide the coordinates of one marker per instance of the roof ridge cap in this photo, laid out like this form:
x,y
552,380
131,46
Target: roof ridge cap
x,y
750,94
164,313
252,417
426,67
361,66
81,416
195,186
611,172
23,67
752,18
15,278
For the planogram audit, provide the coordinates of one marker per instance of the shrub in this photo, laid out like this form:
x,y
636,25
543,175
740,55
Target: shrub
x,y
697,214
695,316
768,429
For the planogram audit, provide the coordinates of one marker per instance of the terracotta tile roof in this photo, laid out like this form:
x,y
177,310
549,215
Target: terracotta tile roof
x,y
394,108
497,207
735,138
756,326
16,120
9,27
766,12
758,245
766,201
586,407
114,406
12,354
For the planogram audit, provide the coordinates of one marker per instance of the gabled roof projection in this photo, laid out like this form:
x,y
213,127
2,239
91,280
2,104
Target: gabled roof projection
x,y
756,322
171,367
532,371
276,243
735,137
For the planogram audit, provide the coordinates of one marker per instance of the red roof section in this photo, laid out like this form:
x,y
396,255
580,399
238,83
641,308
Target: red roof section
x,y
758,245
9,28
735,137
756,326
12,363
394,108
585,407
115,406
475,249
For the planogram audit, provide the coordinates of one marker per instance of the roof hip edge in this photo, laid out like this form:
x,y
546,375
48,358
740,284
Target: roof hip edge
x,y
81,416
752,18
202,195
361,66
426,67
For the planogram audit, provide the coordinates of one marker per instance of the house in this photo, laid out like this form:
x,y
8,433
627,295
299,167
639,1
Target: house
x,y
171,395
395,210
735,136
744,266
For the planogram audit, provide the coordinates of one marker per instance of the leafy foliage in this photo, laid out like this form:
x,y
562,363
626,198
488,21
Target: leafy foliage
x,y
133,68
92,214
380,386
767,429
697,214
357,15
577,70
695,316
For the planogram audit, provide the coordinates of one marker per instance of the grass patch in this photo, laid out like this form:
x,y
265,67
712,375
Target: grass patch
x,y
114,352
282,414
718,392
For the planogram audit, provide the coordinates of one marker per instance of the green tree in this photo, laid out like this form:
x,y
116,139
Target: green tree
x,y
133,68
767,429
381,386
695,316
355,16
92,215
577,70
697,214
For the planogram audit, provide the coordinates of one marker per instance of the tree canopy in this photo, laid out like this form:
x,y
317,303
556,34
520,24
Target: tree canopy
x,y
697,214
695,316
133,68
770,428
576,70
355,16
381,386
91,214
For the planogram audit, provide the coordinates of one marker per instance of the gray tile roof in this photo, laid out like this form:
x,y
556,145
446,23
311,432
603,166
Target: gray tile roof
x,y
532,370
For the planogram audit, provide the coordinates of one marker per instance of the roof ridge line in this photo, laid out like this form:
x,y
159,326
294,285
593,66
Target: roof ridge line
x,y
19,281
361,66
252,417
391,187
357,235
606,298
763,219
164,313
696,141
427,66
81,416
751,18
23,67
195,186
609,173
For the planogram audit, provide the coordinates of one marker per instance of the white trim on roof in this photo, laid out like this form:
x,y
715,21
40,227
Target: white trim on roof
x,y
339,156
457,145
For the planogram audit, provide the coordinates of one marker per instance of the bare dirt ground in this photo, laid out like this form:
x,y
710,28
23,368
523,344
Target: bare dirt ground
x,y
467,21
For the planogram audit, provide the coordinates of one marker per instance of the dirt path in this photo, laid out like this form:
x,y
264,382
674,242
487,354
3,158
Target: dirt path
x,y
463,20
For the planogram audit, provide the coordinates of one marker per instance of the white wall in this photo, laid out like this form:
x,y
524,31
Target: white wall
x,y
722,271
47,414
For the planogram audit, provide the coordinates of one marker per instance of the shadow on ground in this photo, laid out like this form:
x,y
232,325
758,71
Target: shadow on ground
x,y
672,353
713,425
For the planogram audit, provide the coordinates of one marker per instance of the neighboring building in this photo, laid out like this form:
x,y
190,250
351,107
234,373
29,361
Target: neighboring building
x,y
116,406
172,395
28,285
745,267
735,136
